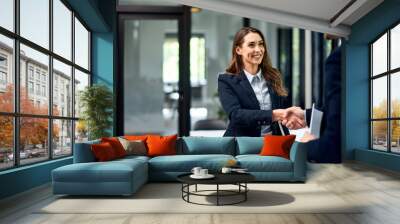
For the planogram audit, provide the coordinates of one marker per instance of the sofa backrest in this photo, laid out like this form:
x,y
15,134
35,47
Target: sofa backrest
x,y
249,145
189,146
207,145
83,152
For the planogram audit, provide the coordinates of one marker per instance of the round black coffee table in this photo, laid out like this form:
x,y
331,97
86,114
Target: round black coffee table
x,y
238,179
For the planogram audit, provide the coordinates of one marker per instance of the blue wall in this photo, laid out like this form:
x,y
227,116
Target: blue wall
x,y
24,178
356,82
103,51
100,16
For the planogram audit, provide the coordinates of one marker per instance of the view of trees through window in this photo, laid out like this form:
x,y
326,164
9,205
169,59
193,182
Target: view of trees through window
x,y
385,96
38,124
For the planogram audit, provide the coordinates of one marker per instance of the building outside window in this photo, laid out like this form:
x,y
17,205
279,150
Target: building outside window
x,y
385,97
43,90
38,89
3,61
3,78
3,72
30,87
44,77
30,72
37,75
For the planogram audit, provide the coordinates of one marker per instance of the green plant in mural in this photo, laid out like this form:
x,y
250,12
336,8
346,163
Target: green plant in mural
x,y
220,111
96,102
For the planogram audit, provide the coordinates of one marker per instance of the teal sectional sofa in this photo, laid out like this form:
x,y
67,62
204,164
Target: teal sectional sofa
x,y
125,176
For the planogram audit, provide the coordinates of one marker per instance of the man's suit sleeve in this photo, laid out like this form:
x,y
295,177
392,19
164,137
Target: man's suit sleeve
x,y
237,115
308,116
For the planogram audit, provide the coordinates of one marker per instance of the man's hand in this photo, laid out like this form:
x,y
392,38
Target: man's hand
x,y
293,118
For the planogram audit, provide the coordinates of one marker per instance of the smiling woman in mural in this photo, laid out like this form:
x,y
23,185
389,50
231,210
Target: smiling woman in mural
x,y
252,91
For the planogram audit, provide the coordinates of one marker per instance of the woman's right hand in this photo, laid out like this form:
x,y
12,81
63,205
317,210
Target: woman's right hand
x,y
292,117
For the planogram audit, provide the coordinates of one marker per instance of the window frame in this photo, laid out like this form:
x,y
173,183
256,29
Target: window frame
x,y
16,115
388,74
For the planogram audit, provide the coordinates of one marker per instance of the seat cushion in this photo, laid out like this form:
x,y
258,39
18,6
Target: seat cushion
x,y
185,163
111,171
257,163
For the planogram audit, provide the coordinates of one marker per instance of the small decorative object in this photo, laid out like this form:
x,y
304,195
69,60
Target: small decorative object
x,y
231,163
226,170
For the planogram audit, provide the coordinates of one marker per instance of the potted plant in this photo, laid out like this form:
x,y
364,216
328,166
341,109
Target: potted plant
x,y
96,102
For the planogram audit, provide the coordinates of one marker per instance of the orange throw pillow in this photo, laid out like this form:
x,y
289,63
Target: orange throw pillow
x,y
116,145
161,145
103,152
275,145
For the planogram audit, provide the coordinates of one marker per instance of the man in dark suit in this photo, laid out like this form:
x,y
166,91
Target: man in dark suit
x,y
327,148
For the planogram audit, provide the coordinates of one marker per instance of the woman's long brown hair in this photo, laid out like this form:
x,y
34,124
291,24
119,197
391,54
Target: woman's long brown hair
x,y
272,75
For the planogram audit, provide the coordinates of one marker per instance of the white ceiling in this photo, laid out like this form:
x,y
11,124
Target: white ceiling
x,y
315,15
324,9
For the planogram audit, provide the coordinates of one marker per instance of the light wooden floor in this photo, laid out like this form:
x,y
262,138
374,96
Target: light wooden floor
x,y
377,188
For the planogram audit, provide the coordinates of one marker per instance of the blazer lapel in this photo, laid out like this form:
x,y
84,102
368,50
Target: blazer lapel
x,y
244,82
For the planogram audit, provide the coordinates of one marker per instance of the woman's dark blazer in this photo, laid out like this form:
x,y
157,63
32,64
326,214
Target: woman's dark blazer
x,y
240,103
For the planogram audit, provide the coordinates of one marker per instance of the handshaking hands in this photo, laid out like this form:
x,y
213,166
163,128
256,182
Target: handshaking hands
x,y
292,117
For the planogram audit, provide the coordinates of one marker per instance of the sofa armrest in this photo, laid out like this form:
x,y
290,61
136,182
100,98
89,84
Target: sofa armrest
x,y
298,155
83,152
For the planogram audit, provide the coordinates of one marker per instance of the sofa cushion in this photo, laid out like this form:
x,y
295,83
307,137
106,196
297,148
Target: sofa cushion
x,y
133,147
161,145
277,145
208,145
249,145
257,163
132,158
185,163
116,145
103,152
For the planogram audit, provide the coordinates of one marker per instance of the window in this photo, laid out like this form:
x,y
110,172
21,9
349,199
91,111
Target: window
x,y
3,61
30,72
54,126
37,75
6,73
30,87
37,89
385,97
43,90
81,45
62,74
3,78
62,29
7,14
197,59
3,72
34,22
81,81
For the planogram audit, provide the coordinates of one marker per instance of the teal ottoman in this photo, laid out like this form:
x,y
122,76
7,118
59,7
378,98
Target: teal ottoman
x,y
118,177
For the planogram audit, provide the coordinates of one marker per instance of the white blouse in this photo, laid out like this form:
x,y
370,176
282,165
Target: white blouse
x,y
260,88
